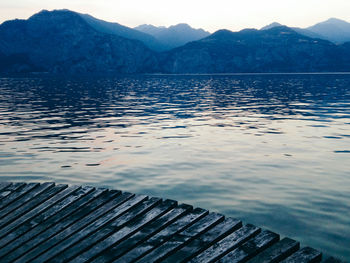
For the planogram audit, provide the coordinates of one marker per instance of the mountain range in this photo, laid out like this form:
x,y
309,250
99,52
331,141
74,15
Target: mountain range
x,y
63,41
173,36
333,29
279,49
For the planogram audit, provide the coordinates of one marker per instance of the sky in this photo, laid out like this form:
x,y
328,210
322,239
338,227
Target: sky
x,y
210,15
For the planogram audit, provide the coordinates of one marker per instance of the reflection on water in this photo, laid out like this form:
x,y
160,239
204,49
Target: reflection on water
x,y
273,150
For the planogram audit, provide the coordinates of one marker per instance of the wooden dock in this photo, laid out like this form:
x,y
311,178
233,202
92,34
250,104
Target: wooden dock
x,y
59,223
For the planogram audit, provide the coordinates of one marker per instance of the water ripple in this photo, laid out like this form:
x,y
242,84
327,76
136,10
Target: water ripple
x,y
272,150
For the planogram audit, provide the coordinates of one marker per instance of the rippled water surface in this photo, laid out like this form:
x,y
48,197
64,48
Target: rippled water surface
x,y
273,150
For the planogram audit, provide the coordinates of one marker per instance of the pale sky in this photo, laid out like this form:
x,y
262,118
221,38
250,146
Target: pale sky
x,y
210,15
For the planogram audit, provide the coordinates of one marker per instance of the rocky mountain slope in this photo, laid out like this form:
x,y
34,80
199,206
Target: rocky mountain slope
x,y
61,41
279,49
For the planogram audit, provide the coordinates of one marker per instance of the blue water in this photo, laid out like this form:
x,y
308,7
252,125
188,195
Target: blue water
x,y
273,150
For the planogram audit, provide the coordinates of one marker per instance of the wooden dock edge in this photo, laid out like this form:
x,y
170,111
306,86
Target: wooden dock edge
x,y
48,222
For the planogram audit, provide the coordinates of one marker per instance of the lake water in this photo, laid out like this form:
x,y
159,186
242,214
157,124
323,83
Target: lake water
x,y
272,150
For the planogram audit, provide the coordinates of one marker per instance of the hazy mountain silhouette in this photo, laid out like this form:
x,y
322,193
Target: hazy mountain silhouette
x,y
173,36
279,49
308,33
299,30
123,31
272,25
62,41
335,30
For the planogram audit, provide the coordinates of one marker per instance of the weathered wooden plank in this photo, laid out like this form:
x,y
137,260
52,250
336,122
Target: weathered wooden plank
x,y
25,198
227,244
17,194
77,247
70,229
3,186
251,248
163,236
47,223
204,241
80,217
277,252
62,241
40,218
180,239
19,247
10,189
37,210
126,231
304,255
143,234
29,206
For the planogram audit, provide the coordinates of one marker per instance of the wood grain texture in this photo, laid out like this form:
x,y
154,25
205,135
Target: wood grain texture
x,y
59,223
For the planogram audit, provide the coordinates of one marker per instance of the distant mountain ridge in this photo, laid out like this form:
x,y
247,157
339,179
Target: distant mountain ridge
x,y
62,41
123,31
333,29
272,25
173,36
278,49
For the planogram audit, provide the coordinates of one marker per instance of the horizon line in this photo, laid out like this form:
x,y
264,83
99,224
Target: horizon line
x,y
167,26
